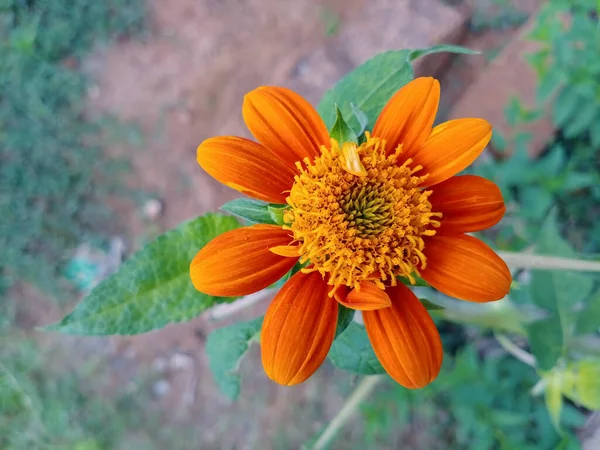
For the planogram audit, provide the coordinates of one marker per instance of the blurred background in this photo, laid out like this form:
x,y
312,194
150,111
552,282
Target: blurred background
x,y
102,105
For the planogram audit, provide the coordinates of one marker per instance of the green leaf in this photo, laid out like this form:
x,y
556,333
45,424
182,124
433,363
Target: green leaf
x,y
558,293
345,316
564,107
429,305
554,399
588,320
546,336
340,131
361,118
444,48
582,383
582,119
250,210
153,287
276,212
419,282
352,351
225,349
368,87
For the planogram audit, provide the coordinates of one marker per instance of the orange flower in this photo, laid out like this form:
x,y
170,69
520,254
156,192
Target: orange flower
x,y
360,216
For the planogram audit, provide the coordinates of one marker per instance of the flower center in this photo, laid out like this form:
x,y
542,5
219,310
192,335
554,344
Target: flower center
x,y
358,215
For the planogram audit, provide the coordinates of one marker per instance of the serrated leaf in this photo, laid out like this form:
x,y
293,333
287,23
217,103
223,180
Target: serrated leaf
x,y
368,87
352,351
250,210
225,348
340,131
153,287
443,48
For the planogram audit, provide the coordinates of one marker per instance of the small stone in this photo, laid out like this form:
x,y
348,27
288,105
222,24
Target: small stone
x,y
153,209
159,365
180,361
161,388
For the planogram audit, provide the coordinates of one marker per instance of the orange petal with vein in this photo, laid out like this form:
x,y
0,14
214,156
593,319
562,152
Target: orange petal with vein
x,y
408,116
239,261
451,147
405,339
369,298
247,167
298,329
464,267
289,251
467,203
284,122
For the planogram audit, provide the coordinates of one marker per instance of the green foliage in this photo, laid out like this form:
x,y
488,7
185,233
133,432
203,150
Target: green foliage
x,y
363,92
340,131
352,351
225,348
443,48
475,403
53,175
558,293
44,406
254,211
153,287
391,70
568,66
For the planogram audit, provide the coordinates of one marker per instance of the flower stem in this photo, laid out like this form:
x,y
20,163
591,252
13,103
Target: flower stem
x,y
529,261
363,389
515,350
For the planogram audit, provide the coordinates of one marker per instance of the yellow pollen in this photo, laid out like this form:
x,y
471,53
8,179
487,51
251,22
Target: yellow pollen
x,y
358,215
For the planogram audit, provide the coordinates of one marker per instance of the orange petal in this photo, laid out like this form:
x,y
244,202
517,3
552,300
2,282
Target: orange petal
x,y
369,298
451,147
289,251
247,167
405,339
298,329
463,267
467,203
239,261
284,122
408,116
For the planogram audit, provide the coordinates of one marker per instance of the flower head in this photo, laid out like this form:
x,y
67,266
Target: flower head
x,y
358,218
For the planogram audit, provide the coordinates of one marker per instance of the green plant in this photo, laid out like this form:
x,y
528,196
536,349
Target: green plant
x,y
53,173
483,402
568,66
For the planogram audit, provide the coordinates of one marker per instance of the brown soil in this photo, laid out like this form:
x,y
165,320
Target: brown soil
x,y
182,84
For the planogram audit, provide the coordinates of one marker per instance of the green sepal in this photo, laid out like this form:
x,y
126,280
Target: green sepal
x,y
255,211
340,131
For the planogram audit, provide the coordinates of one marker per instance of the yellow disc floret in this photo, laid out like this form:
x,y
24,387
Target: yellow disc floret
x,y
358,215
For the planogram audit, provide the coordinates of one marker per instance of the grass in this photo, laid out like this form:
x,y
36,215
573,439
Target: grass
x,y
54,176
